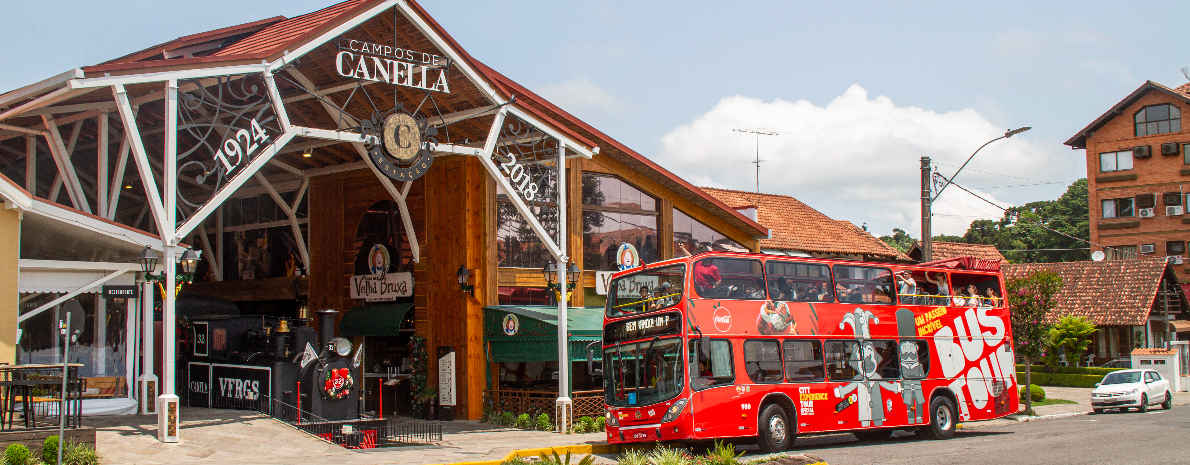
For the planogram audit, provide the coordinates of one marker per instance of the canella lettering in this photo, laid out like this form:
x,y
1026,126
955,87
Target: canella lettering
x,y
401,73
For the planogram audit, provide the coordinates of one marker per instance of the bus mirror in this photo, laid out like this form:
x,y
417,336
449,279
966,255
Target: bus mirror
x,y
704,348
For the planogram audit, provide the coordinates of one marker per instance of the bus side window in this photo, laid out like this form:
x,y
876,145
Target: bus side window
x,y
915,358
716,371
842,358
803,361
888,365
762,360
976,290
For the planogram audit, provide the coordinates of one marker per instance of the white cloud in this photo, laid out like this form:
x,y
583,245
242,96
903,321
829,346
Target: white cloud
x,y
857,158
581,94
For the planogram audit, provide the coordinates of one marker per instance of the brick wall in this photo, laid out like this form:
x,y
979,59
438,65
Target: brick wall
x,y
1157,174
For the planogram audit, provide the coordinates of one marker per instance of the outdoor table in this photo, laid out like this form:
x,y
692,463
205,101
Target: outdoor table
x,y
15,378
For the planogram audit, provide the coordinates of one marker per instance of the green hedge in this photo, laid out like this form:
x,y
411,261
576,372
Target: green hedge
x,y
1101,372
1061,379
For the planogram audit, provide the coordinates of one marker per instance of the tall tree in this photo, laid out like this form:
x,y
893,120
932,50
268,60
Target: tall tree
x,y
899,240
1042,231
1073,333
1030,298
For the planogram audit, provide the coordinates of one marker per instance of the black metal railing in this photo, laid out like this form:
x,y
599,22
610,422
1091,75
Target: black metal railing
x,y
363,433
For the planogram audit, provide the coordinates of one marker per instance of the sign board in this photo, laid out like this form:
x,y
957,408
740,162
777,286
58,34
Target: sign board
x,y
379,288
113,291
228,386
639,328
200,339
602,278
446,375
369,61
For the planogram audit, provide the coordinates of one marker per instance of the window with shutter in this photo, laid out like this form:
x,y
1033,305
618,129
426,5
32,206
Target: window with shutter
x,y
1172,198
1145,201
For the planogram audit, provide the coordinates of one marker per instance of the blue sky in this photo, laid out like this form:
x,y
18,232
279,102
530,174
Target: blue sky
x,y
860,90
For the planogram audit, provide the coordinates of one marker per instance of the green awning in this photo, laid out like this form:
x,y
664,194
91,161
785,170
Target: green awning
x,y
536,339
374,320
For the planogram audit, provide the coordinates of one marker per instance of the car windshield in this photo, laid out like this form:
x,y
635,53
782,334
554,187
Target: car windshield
x,y
647,291
643,373
1122,377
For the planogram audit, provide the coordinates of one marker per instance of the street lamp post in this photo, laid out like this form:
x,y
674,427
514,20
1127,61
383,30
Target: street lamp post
x,y
167,403
927,199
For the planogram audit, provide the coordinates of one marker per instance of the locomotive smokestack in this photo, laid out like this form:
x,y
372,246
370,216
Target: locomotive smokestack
x,y
326,327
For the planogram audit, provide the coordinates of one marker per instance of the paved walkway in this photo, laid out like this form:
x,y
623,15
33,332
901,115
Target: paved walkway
x,y
234,436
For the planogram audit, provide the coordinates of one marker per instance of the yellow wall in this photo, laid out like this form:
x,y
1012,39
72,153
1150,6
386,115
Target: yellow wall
x,y
10,248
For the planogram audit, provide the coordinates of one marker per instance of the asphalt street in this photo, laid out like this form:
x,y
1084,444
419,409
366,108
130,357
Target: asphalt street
x,y
1158,436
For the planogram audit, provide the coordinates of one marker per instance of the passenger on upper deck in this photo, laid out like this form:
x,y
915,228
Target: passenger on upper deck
x,y
992,299
906,287
706,275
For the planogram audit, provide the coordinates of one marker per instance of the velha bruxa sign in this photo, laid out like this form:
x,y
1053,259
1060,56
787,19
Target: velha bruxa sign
x,y
393,65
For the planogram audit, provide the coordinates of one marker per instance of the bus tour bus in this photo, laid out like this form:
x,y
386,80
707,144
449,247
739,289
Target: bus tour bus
x,y
751,347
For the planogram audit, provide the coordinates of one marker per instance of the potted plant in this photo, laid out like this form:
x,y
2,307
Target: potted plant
x,y
427,397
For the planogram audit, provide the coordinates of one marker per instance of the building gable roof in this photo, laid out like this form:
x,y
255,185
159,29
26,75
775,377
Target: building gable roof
x,y
1079,140
1111,292
798,227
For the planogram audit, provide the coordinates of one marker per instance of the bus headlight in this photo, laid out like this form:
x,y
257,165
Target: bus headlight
x,y
674,411
611,418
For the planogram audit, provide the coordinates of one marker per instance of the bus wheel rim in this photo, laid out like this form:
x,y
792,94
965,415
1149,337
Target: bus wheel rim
x,y
943,419
777,429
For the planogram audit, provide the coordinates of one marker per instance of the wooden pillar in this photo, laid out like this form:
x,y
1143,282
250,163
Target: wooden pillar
x,y
10,251
665,229
574,225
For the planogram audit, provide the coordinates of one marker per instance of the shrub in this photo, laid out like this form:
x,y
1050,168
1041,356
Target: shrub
x,y
1065,380
585,425
79,454
17,454
516,461
524,421
722,454
600,424
507,419
1036,391
554,459
489,414
49,450
544,423
1020,369
633,457
664,455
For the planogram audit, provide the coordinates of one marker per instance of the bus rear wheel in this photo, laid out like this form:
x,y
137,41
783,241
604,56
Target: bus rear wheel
x,y
942,419
774,433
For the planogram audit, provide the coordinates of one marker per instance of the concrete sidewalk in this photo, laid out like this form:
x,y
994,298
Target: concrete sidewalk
x,y
1082,397
234,436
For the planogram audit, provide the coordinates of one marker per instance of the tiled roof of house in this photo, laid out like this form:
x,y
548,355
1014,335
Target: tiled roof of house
x,y
947,250
1079,140
1154,351
1111,292
796,226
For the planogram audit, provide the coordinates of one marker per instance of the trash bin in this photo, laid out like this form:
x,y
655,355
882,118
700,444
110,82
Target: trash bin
x,y
446,413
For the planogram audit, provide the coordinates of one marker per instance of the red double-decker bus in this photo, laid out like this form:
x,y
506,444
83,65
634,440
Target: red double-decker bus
x,y
766,347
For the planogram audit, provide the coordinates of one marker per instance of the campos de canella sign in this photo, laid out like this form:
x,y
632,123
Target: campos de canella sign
x,y
369,61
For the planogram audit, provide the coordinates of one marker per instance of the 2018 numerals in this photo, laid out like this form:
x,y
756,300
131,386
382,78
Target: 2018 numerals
x,y
517,174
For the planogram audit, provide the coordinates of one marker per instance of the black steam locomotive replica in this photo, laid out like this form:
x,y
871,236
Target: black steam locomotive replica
x,y
274,365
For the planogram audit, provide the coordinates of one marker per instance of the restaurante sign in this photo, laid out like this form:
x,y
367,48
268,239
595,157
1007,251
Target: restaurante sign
x,y
393,65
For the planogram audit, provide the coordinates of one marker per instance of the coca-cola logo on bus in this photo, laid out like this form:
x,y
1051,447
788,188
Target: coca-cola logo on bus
x,y
722,319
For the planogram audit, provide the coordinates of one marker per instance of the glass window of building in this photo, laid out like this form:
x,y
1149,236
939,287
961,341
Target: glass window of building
x,y
1117,208
517,246
101,348
616,213
692,236
1120,252
1115,161
1158,119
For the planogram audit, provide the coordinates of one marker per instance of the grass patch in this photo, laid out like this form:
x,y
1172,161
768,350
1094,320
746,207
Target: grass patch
x,y
1051,402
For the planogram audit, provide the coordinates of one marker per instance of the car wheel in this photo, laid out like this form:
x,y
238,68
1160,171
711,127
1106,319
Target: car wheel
x,y
872,434
1168,404
942,419
775,435
1144,403
1098,410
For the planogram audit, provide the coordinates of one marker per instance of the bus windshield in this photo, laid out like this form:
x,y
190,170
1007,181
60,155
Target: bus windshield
x,y
647,291
643,373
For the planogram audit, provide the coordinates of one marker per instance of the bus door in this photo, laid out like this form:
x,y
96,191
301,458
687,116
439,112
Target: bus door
x,y
715,402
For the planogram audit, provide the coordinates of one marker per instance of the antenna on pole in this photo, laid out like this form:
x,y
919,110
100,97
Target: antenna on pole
x,y
758,133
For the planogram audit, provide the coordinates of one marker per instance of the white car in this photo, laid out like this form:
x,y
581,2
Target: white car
x,y
1131,389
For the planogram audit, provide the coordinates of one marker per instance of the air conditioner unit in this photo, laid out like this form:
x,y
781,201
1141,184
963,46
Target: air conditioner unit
x,y
1146,213
1147,248
1173,210
1142,151
1169,149
1175,259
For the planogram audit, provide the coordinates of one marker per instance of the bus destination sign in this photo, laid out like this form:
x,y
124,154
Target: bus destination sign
x,y
638,328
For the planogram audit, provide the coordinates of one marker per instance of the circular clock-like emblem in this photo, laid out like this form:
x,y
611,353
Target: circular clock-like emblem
x,y
398,144
402,137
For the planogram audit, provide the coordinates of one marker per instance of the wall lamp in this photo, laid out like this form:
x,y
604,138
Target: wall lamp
x,y
463,275
551,273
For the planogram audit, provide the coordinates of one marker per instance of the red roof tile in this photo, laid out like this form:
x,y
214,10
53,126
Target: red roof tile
x,y
1079,141
1111,292
948,250
798,227
1154,351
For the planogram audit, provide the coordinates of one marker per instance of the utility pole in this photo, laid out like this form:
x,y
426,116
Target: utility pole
x,y
758,133
927,238
928,198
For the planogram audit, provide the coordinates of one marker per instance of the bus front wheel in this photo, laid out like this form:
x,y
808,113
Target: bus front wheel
x,y
942,419
774,433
